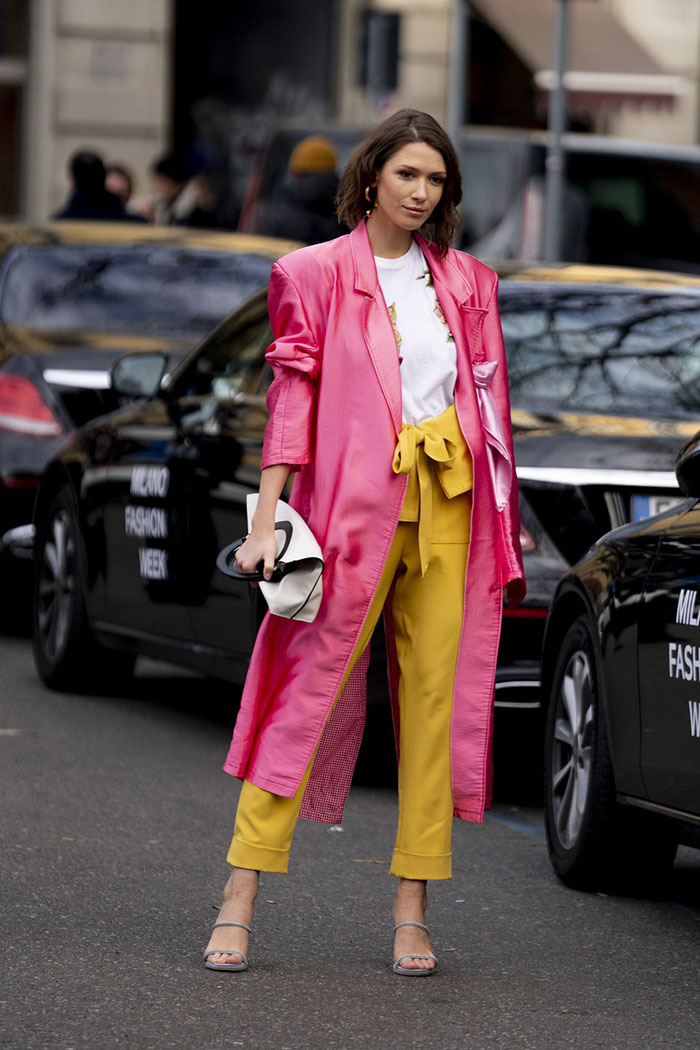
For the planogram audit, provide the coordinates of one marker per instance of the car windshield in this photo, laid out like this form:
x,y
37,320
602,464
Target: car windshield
x,y
145,289
601,349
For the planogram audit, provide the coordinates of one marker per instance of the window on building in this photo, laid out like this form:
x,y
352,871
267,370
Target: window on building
x,y
14,28
14,32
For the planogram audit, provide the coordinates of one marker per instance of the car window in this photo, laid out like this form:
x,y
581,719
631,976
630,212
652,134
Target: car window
x,y
232,360
145,289
594,349
640,210
491,177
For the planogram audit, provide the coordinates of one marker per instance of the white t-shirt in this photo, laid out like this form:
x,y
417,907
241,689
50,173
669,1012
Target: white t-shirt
x,y
425,344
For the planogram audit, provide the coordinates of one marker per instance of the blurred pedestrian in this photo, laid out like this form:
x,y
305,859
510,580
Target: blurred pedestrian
x,y
89,199
306,210
390,404
179,198
120,182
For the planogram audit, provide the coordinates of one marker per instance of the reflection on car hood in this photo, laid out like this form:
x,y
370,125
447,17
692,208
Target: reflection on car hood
x,y
598,443
582,475
82,359
18,339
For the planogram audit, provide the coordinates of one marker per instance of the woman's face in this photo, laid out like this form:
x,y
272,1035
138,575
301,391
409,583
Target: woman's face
x,y
409,186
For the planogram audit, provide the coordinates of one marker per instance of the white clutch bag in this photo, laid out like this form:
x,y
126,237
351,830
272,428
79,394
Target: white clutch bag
x,y
296,587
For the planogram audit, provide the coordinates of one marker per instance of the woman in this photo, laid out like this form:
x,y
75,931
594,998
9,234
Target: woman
x,y
390,403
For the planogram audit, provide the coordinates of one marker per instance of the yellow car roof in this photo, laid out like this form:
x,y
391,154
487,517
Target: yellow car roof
x,y
75,232
578,273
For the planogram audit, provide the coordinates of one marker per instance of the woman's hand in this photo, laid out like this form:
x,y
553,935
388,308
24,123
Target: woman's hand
x,y
515,592
261,546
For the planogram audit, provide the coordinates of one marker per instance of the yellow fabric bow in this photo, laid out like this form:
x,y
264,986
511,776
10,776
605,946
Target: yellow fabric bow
x,y
416,445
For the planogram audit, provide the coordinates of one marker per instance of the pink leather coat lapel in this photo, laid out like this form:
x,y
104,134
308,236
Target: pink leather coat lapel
x,y
456,297
452,287
376,326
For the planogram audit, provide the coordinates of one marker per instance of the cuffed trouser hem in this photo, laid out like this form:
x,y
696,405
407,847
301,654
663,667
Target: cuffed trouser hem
x,y
420,866
258,858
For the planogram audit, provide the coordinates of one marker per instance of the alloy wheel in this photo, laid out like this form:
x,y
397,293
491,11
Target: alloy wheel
x,y
56,586
572,748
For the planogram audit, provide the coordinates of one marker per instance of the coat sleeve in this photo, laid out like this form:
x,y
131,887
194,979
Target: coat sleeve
x,y
295,360
492,341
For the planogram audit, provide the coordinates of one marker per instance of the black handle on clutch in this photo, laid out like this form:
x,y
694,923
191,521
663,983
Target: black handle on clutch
x,y
226,559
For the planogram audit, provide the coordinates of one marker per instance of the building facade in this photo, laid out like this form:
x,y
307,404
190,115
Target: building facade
x,y
134,78
94,74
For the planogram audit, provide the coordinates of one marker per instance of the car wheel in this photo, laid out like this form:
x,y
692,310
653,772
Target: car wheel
x,y
594,843
66,654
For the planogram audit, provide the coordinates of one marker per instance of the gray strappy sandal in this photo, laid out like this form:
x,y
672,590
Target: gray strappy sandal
x,y
413,972
243,965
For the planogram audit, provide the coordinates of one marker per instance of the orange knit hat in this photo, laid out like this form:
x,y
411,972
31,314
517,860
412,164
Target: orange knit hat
x,y
314,153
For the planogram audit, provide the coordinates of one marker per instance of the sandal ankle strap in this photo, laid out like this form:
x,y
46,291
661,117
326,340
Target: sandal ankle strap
x,y
242,926
409,923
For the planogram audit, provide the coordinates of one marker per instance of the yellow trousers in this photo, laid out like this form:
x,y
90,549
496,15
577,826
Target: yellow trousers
x,y
428,571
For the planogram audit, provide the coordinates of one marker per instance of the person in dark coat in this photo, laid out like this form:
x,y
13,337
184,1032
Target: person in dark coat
x,y
89,199
180,198
306,212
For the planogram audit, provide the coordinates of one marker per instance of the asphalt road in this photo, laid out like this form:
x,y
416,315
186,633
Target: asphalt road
x,y
114,825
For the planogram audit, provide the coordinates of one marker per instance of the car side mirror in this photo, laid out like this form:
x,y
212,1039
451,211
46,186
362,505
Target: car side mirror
x,y
138,375
688,468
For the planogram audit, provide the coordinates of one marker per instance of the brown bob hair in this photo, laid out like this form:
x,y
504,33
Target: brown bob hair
x,y
370,156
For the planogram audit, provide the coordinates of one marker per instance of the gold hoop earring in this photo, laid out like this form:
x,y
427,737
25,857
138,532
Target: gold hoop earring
x,y
368,198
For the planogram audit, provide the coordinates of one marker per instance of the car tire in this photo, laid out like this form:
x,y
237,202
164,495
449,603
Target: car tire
x,y
66,654
594,843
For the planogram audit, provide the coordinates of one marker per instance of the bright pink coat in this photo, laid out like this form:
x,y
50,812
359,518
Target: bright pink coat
x,y
335,412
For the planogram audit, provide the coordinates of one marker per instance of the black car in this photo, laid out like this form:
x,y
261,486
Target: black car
x,y
131,514
604,370
76,296
621,670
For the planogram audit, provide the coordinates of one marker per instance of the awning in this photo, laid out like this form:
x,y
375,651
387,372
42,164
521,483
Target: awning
x,y
606,67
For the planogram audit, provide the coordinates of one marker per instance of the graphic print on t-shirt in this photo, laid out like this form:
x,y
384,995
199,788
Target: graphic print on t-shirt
x,y
397,334
437,309
427,352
